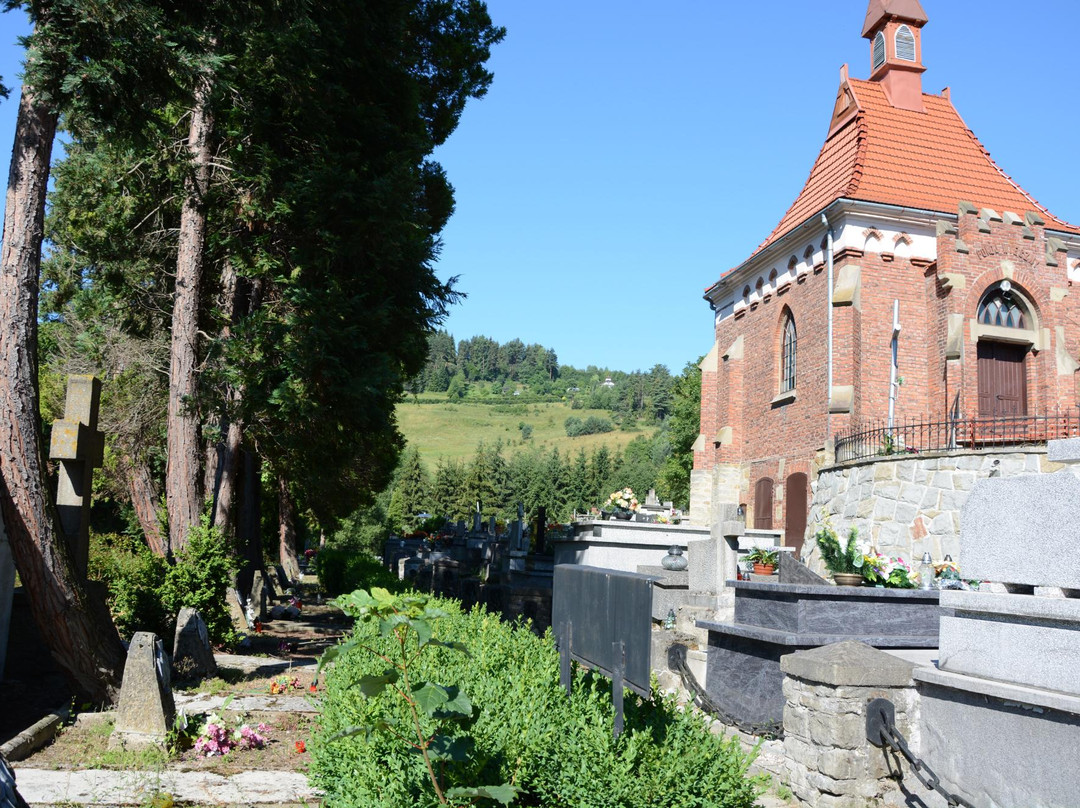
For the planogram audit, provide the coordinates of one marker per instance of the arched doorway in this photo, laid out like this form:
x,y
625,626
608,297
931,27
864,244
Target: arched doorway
x,y
763,504
795,511
1006,329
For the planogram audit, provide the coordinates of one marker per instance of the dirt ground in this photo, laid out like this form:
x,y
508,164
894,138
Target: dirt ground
x,y
284,648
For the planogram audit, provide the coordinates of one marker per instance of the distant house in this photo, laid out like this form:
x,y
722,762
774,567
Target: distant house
x,y
911,282
607,382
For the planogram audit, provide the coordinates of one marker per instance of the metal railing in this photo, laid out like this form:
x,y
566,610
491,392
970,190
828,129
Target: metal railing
x,y
878,439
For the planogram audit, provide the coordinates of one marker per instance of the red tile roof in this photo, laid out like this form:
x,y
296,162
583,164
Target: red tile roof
x,y
930,161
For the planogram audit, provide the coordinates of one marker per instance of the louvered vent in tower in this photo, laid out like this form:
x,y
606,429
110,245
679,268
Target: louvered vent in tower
x,y
905,44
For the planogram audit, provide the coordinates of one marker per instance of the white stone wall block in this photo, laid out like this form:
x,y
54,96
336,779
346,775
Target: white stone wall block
x,y
942,523
953,500
889,490
942,480
911,493
884,509
964,480
905,513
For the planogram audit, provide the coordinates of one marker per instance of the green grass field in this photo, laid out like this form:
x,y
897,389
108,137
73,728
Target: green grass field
x,y
453,430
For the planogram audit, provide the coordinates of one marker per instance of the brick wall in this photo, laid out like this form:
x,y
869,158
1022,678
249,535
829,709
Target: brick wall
x,y
775,436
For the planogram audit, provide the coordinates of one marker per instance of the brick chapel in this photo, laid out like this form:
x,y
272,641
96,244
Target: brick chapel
x,y
911,278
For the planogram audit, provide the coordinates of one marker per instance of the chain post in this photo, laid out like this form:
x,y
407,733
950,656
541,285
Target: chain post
x,y
881,731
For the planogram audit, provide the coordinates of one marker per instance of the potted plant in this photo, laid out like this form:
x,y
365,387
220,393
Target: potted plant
x,y
765,560
845,562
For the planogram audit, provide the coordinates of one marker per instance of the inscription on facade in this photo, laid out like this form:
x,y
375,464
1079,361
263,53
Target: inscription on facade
x,y
1009,251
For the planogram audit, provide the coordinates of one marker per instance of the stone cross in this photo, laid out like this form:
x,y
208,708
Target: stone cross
x,y
477,520
79,446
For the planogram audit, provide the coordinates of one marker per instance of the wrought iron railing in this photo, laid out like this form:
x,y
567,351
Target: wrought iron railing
x,y
878,439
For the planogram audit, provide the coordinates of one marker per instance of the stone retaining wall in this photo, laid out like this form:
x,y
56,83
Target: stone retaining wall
x,y
907,505
829,763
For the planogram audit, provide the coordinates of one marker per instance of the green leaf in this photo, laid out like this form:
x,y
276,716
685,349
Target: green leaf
x,y
387,625
430,696
504,794
456,646
422,629
374,684
457,705
443,747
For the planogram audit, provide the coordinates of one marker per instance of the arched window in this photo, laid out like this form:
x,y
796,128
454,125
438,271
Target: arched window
x,y
1001,307
905,44
746,294
787,355
879,50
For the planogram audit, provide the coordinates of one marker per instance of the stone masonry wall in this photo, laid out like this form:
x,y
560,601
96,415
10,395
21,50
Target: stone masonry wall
x,y
829,762
909,505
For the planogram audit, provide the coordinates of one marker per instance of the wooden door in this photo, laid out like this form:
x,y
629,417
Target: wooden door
x,y
763,504
1002,380
795,511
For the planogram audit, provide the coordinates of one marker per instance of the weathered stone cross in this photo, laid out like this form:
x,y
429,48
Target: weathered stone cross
x,y
79,446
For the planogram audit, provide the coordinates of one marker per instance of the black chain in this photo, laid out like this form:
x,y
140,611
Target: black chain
x,y
677,663
882,731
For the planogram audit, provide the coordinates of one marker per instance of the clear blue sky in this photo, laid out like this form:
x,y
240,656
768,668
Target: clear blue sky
x,y
629,152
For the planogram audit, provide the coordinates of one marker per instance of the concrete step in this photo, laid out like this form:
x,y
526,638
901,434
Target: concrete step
x,y
267,789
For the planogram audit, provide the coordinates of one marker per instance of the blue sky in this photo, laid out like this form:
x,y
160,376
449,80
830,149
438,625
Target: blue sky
x,y
630,152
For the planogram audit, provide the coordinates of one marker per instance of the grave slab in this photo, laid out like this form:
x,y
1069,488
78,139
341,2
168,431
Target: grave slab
x,y
1031,640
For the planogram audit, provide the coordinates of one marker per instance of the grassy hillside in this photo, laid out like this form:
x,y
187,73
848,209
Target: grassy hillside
x,y
452,430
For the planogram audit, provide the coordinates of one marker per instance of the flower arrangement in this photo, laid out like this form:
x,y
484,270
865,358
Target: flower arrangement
x,y
216,738
893,573
861,558
284,684
624,500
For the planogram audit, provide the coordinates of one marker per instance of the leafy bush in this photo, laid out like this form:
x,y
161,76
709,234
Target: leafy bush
x,y
592,425
557,751
342,570
201,578
133,577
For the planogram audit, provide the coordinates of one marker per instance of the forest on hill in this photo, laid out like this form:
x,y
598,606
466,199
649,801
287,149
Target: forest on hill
x,y
484,370
512,425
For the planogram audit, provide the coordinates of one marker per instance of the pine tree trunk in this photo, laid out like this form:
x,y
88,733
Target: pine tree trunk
x,y
82,642
228,451
287,531
144,500
182,477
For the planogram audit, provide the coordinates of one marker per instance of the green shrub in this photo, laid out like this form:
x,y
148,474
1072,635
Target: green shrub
x,y
558,751
133,577
201,578
342,570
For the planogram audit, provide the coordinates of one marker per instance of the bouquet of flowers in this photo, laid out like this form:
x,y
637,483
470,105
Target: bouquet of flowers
x,y
624,500
892,573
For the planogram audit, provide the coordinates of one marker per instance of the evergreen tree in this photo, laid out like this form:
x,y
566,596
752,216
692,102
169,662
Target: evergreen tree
x,y
684,425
